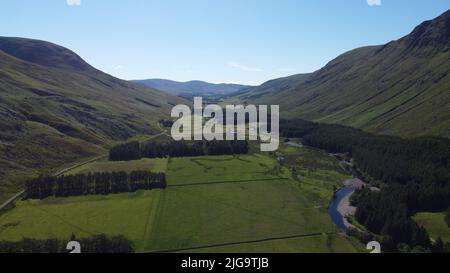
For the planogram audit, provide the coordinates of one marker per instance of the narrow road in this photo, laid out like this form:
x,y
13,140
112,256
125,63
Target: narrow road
x,y
58,173
104,156
65,170
10,200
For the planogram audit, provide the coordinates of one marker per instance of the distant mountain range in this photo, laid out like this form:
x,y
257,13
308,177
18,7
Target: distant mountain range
x,y
192,88
400,88
55,108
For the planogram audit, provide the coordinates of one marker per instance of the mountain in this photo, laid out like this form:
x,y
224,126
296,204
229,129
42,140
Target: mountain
x,y
56,108
192,88
400,88
272,86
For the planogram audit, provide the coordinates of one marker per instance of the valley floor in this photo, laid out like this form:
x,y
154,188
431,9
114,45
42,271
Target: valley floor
x,y
247,203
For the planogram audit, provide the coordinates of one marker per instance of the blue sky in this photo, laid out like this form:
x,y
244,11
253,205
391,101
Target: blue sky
x,y
242,41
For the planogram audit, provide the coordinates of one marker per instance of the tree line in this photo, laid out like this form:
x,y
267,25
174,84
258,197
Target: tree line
x,y
134,150
383,214
415,173
93,183
95,244
439,246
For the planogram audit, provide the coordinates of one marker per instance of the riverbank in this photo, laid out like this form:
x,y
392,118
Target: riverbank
x,y
343,206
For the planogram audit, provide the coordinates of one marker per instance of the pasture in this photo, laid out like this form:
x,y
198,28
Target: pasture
x,y
145,164
246,203
435,224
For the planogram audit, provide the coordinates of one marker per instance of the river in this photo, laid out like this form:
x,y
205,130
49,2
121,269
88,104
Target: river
x,y
336,206
340,205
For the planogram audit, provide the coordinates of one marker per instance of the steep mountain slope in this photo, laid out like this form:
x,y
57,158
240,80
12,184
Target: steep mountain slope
x,y
401,88
272,86
44,54
192,88
56,108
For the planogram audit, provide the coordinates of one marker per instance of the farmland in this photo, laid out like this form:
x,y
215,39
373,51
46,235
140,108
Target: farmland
x,y
435,224
146,164
245,203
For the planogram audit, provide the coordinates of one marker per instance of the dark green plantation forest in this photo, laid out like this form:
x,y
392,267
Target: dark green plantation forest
x,y
135,150
93,183
95,244
413,173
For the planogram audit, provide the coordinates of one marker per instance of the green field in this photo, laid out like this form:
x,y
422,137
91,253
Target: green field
x,y
146,164
310,244
83,216
434,223
208,169
244,203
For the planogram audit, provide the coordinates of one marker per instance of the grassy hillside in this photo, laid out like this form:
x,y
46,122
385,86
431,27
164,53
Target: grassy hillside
x,y
56,108
270,87
400,88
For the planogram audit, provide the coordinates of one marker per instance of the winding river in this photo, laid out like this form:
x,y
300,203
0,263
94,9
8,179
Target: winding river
x,y
340,206
341,196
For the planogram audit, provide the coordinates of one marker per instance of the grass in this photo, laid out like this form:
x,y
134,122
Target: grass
x,y
352,220
316,173
38,156
394,107
310,244
244,203
233,212
83,216
70,116
189,170
435,224
146,164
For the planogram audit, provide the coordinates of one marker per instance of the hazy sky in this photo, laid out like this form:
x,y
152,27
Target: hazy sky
x,y
245,41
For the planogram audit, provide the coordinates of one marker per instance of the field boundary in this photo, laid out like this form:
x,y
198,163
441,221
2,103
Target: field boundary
x,y
226,182
64,221
242,242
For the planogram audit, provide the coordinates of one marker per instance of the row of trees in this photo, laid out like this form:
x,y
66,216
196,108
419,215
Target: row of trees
x,y
93,183
439,246
416,173
95,244
135,150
